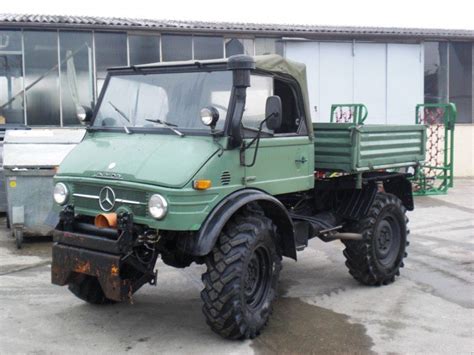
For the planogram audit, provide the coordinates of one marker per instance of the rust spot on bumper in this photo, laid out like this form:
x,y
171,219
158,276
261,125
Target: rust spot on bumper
x,y
83,267
68,260
114,270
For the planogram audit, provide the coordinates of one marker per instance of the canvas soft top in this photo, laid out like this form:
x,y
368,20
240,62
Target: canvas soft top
x,y
277,64
271,63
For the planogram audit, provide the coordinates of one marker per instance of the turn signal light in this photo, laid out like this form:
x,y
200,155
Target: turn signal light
x,y
202,184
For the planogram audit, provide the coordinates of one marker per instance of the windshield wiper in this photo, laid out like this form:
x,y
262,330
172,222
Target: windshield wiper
x,y
167,124
120,112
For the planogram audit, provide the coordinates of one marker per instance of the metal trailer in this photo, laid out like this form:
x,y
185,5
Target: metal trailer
x,y
30,160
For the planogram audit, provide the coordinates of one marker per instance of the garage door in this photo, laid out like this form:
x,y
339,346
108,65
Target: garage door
x,y
337,76
308,53
370,79
388,78
404,82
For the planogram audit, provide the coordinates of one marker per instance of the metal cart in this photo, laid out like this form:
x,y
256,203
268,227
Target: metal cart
x,y
3,191
30,160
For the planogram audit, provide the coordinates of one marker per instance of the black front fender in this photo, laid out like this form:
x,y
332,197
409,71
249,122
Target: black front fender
x,y
203,241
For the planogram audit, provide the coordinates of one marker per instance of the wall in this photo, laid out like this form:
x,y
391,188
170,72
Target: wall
x,y
464,150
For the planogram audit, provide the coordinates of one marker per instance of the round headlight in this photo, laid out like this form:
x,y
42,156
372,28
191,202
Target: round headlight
x,y
157,206
60,193
81,114
209,116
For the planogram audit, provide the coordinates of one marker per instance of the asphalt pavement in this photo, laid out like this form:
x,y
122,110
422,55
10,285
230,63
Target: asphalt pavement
x,y
321,309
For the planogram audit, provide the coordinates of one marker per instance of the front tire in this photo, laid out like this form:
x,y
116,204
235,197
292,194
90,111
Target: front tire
x,y
242,276
377,259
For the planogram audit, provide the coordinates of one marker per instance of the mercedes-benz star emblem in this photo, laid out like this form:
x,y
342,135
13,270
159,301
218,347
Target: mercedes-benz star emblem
x,y
107,198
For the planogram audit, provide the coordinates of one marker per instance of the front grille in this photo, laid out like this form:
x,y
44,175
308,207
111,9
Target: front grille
x,y
86,196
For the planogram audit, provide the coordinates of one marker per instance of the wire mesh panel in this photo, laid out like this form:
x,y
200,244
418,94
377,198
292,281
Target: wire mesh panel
x,y
348,113
436,175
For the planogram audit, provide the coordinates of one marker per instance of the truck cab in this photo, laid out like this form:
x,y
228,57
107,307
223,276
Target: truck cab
x,y
211,162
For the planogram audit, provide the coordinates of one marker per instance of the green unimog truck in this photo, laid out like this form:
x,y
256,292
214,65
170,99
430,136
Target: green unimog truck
x,y
218,163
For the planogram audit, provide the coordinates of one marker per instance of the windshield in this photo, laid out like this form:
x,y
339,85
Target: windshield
x,y
171,99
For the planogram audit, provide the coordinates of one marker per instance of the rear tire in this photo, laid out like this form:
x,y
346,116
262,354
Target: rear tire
x,y
242,274
377,259
88,289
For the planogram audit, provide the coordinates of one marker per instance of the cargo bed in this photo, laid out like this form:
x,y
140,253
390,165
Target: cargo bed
x,y
352,148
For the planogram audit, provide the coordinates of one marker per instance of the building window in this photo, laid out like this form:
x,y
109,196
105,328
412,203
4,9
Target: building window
x,y
235,46
144,49
268,46
460,79
77,88
436,72
177,47
206,47
110,51
11,78
42,78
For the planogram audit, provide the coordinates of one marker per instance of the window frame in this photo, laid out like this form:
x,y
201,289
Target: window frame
x,y
229,38
164,36
302,129
157,70
155,35
222,39
20,52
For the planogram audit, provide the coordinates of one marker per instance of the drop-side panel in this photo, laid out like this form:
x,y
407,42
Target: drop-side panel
x,y
350,148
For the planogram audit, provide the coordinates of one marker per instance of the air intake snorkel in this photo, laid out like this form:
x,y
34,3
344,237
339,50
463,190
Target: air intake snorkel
x,y
241,65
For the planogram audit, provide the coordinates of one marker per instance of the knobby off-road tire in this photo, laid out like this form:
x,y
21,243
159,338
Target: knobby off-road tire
x,y
88,289
377,259
242,274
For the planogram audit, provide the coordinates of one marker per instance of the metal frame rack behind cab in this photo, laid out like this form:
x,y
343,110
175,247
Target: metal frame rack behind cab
x,y
435,177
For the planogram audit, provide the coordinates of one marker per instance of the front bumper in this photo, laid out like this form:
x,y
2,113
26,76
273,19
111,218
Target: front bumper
x,y
78,250
68,261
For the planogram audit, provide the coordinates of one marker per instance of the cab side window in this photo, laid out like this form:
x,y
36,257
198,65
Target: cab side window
x,y
261,87
291,118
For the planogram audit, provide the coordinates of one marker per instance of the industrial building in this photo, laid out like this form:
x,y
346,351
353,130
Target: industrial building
x,y
50,64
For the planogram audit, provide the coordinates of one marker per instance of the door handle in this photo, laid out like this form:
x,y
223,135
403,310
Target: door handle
x,y
302,160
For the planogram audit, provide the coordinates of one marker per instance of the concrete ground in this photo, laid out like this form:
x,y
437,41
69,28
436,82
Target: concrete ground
x,y
321,309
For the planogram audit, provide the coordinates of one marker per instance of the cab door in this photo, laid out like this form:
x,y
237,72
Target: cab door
x,y
284,157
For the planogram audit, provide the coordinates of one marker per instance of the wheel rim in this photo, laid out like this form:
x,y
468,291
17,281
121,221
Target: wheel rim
x,y
257,278
387,241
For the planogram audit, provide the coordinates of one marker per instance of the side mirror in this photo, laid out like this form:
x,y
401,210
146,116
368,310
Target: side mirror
x,y
209,116
84,114
273,112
